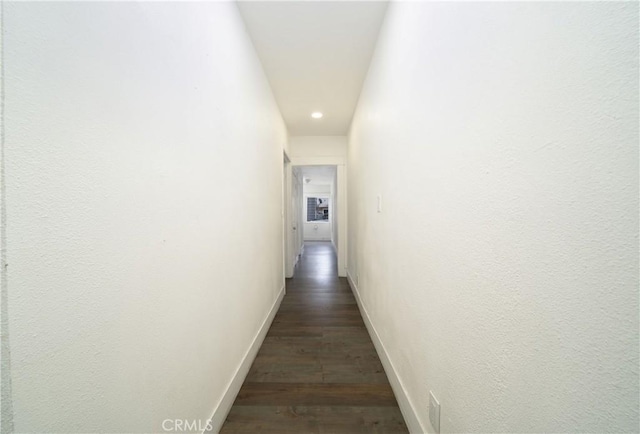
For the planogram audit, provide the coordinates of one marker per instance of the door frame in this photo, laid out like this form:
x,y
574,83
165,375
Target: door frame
x,y
341,203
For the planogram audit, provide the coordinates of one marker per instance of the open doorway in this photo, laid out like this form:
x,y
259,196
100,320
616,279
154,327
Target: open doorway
x,y
315,209
318,204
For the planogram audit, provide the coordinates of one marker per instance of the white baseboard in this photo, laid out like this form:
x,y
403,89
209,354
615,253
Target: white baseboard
x,y
405,404
224,406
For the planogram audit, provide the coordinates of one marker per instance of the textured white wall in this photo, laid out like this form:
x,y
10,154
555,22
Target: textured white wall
x,y
317,232
144,185
319,189
502,272
334,148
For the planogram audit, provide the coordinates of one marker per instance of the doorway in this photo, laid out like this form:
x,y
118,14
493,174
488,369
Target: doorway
x,y
331,184
318,204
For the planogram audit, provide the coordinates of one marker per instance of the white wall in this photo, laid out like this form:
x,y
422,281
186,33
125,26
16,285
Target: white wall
x,y
318,230
331,148
327,150
142,140
502,272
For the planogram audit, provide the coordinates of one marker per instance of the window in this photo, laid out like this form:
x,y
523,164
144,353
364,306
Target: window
x,y
317,209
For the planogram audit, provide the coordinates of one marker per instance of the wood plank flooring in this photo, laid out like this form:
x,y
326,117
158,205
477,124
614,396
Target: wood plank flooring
x,y
317,370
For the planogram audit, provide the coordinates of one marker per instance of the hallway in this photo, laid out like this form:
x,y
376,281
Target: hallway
x,y
317,370
474,164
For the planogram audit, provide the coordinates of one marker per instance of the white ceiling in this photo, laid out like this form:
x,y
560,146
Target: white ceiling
x,y
316,55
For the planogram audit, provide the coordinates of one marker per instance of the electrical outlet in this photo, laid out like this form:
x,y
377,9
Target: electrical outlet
x,y
379,203
434,412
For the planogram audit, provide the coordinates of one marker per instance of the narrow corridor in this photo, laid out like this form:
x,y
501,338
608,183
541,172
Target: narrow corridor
x,y
317,370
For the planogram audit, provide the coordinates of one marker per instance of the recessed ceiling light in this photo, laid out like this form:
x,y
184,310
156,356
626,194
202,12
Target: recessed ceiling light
x,y
316,115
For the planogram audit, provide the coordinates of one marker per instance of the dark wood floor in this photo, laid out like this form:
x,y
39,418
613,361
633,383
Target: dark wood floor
x,y
317,370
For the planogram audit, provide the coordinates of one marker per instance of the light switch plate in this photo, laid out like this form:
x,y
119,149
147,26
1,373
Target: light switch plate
x,y
434,412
